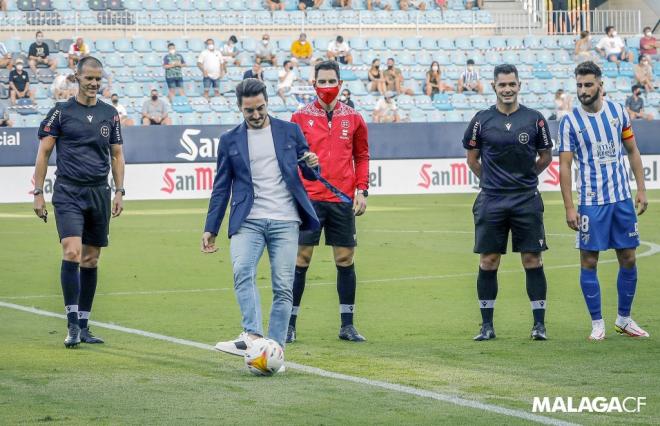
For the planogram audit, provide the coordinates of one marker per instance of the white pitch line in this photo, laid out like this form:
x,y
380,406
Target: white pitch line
x,y
654,249
451,399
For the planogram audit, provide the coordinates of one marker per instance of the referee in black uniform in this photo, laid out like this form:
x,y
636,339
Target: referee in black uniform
x,y
87,135
508,146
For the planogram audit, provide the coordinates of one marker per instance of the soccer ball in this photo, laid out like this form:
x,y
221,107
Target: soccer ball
x,y
264,357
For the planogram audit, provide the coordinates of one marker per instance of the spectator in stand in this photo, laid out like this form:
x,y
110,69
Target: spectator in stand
x,y
5,57
563,105
64,87
274,5
38,54
19,83
286,77
265,51
302,50
635,105
378,4
340,51
341,4
386,110
154,111
583,51
173,63
470,79
346,98
124,119
648,45
105,89
442,5
230,53
613,48
77,51
412,4
394,79
644,73
309,4
469,4
255,72
376,78
210,63
434,83
4,116
3,6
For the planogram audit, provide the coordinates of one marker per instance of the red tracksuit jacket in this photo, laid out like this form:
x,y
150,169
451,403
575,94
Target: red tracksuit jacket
x,y
341,145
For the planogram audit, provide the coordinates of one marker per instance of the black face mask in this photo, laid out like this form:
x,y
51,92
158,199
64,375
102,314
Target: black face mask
x,y
115,101
638,92
154,97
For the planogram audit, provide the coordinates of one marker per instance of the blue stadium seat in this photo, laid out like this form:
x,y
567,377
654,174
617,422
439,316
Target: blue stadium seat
x,y
114,61
202,5
132,5
549,42
567,42
133,90
460,101
514,42
538,87
533,42
428,43
545,57
168,5
632,42
285,44
132,60
610,70
418,116
141,45
443,44
393,43
441,102
626,70
123,45
321,43
493,57
443,59
356,87
563,57
152,60
541,72
432,17
104,46
346,74
196,45
150,5
406,58
411,43
454,116
62,5
185,5
463,43
375,43
452,17
220,104
510,57
481,43
401,17
358,43
498,42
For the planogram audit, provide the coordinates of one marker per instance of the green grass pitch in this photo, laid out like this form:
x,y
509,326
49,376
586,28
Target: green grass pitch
x,y
416,304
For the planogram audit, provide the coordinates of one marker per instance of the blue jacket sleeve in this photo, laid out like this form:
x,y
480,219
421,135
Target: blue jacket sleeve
x,y
221,190
301,149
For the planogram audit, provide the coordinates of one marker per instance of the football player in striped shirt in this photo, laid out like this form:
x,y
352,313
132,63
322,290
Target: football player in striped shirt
x,y
595,134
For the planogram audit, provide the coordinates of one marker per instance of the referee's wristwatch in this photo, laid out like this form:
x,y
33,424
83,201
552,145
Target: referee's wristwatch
x,y
122,190
364,192
37,191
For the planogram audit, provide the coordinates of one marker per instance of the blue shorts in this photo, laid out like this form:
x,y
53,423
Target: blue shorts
x,y
610,226
620,57
82,211
174,82
208,82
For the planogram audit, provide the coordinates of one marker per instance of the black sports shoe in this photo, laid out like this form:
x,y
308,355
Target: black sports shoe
x,y
487,332
290,334
348,332
86,336
538,331
73,338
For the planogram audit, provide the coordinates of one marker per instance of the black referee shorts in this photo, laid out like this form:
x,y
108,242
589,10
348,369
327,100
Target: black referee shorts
x,y
83,211
497,213
337,221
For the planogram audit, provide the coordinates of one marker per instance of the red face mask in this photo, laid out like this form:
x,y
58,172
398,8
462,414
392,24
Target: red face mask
x,y
327,94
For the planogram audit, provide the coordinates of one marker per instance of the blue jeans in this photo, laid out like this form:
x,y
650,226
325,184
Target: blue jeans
x,y
280,238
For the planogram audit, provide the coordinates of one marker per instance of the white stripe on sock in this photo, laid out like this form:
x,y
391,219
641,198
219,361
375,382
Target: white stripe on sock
x,y
538,304
346,309
70,308
487,304
83,315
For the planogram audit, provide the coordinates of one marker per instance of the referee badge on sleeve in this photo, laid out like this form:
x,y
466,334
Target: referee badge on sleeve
x,y
105,131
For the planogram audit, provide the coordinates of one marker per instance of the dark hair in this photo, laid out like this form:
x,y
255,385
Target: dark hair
x,y
641,56
588,67
39,32
374,61
88,60
249,88
114,94
505,69
646,28
470,61
584,34
346,90
210,39
233,39
327,65
287,62
170,44
154,90
391,59
435,63
635,87
608,28
340,39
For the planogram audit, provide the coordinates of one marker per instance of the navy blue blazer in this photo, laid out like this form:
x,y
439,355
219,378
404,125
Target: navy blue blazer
x,y
234,175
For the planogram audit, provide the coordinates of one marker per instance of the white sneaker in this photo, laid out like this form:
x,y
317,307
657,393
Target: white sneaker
x,y
627,326
237,347
598,330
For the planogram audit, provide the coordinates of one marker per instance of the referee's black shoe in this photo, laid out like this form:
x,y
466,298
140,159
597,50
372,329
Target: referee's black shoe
x,y
86,336
538,331
487,332
290,334
73,337
348,332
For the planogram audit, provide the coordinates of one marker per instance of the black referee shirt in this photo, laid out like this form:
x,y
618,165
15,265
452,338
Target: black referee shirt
x,y
84,135
508,145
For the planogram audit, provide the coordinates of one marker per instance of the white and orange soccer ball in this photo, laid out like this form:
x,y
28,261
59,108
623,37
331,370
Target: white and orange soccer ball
x,y
264,357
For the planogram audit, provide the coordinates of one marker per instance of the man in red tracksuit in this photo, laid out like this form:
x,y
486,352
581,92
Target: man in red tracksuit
x,y
338,135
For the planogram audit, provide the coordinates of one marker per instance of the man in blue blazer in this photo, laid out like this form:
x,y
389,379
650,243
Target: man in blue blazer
x,y
258,164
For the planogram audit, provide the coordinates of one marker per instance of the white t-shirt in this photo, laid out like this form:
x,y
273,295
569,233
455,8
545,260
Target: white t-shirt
x,y
288,80
611,45
386,108
228,50
121,110
211,61
335,47
272,199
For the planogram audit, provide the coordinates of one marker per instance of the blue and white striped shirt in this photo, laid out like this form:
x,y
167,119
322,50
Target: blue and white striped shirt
x,y
597,142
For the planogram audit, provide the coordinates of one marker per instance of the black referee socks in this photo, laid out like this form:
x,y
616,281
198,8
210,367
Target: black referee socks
x,y
346,283
537,288
88,279
70,281
298,289
487,293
